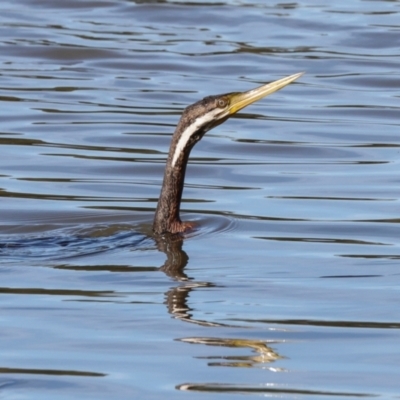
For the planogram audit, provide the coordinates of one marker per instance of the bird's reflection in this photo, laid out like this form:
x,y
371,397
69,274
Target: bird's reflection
x,y
264,353
177,297
177,259
176,300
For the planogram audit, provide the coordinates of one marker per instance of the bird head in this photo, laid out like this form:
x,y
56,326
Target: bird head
x,y
211,111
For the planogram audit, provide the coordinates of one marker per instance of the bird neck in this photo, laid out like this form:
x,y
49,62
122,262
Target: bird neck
x,y
167,218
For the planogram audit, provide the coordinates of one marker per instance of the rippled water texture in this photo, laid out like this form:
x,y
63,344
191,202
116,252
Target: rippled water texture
x,y
289,288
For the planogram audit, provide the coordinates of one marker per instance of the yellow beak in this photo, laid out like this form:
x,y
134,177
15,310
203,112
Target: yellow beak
x,y
241,100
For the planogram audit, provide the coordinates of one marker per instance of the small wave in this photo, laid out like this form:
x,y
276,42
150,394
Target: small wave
x,y
209,224
67,243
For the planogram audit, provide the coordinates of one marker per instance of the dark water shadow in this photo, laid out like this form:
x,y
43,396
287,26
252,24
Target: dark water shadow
x,y
267,391
55,372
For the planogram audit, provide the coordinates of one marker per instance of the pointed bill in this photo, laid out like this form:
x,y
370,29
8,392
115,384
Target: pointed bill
x,y
241,100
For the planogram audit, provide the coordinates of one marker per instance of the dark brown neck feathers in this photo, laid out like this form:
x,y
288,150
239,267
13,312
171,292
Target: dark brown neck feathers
x,y
167,217
195,121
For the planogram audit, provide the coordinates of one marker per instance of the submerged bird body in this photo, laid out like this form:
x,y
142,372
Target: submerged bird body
x,y
195,121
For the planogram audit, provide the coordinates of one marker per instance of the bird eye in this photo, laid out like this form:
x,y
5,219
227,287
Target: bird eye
x,y
221,103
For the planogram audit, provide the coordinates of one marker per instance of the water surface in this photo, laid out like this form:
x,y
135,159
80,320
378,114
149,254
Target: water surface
x,y
288,288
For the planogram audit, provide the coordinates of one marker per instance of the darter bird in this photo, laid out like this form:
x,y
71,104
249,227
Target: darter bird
x,y
195,121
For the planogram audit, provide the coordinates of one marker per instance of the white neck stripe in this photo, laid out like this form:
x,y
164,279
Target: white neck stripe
x,y
189,131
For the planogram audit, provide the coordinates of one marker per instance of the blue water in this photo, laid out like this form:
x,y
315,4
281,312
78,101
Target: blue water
x,y
289,286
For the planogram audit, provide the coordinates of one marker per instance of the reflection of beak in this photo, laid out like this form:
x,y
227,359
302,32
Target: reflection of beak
x,y
241,100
